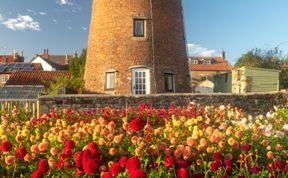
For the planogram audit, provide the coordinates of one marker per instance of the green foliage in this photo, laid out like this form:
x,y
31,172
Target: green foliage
x,y
75,83
57,83
77,67
269,59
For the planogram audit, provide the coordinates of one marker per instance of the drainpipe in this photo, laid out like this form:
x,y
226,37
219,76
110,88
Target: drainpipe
x,y
153,44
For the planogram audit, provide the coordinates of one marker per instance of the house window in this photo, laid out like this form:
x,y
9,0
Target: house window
x,y
169,82
110,80
4,78
139,27
206,62
194,62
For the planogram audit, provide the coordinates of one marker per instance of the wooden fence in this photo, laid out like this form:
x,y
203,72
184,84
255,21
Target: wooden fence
x,y
29,105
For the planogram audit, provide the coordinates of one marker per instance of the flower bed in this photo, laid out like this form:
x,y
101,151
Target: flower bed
x,y
192,141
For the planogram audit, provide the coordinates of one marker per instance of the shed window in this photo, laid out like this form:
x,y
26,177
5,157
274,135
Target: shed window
x,y
110,80
169,82
138,27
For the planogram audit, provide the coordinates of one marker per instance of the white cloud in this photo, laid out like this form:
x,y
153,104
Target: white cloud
x,y
198,50
69,28
22,22
64,2
42,13
84,28
55,21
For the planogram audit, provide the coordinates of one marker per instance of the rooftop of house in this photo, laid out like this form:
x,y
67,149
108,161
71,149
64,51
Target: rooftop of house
x,y
204,63
34,78
15,66
11,58
59,62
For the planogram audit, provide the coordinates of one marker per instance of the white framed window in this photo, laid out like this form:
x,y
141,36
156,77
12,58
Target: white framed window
x,y
194,61
139,27
110,80
169,82
206,62
4,78
140,81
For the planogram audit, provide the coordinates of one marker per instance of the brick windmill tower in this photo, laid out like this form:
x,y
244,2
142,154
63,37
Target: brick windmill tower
x,y
136,47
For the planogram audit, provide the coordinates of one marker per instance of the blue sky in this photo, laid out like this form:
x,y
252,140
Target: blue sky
x,y
62,26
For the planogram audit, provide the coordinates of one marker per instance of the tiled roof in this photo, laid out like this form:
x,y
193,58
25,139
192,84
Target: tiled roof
x,y
35,77
217,64
10,58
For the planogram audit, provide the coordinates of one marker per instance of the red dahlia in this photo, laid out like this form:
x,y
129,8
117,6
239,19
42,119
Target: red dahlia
x,y
246,148
6,146
138,173
78,160
182,173
115,169
255,169
214,166
43,166
136,124
169,162
91,166
123,161
217,156
93,148
69,144
132,164
37,174
20,153
106,175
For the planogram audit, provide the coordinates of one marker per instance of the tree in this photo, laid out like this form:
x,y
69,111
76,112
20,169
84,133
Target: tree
x,y
250,59
77,67
75,83
269,59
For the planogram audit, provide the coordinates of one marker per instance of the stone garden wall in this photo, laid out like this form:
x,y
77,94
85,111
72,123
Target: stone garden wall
x,y
252,103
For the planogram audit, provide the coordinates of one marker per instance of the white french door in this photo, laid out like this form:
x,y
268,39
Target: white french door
x,y
140,81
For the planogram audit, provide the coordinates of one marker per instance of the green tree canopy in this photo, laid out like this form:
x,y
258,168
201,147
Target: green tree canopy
x,y
269,59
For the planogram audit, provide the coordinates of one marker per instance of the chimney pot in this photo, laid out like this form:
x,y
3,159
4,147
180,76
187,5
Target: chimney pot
x,y
223,54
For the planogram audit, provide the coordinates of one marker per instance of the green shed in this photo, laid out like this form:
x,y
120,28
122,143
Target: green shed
x,y
223,83
247,79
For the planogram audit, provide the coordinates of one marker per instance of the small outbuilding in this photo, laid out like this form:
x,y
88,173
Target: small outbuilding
x,y
247,79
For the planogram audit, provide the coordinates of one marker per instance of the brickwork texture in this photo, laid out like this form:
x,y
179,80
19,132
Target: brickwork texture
x,y
111,45
252,103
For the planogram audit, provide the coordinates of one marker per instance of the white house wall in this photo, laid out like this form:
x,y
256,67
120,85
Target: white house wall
x,y
45,65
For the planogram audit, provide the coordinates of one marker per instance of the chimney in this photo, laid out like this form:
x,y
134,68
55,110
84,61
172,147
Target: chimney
x,y
46,53
223,54
74,54
14,54
66,61
22,53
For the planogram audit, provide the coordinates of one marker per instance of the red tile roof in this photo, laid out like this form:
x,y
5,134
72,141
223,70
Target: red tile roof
x,y
35,77
217,64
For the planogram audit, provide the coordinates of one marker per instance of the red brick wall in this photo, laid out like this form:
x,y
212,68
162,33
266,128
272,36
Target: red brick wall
x,y
111,44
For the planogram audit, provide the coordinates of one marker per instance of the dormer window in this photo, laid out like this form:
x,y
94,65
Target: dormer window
x,y
194,61
206,62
